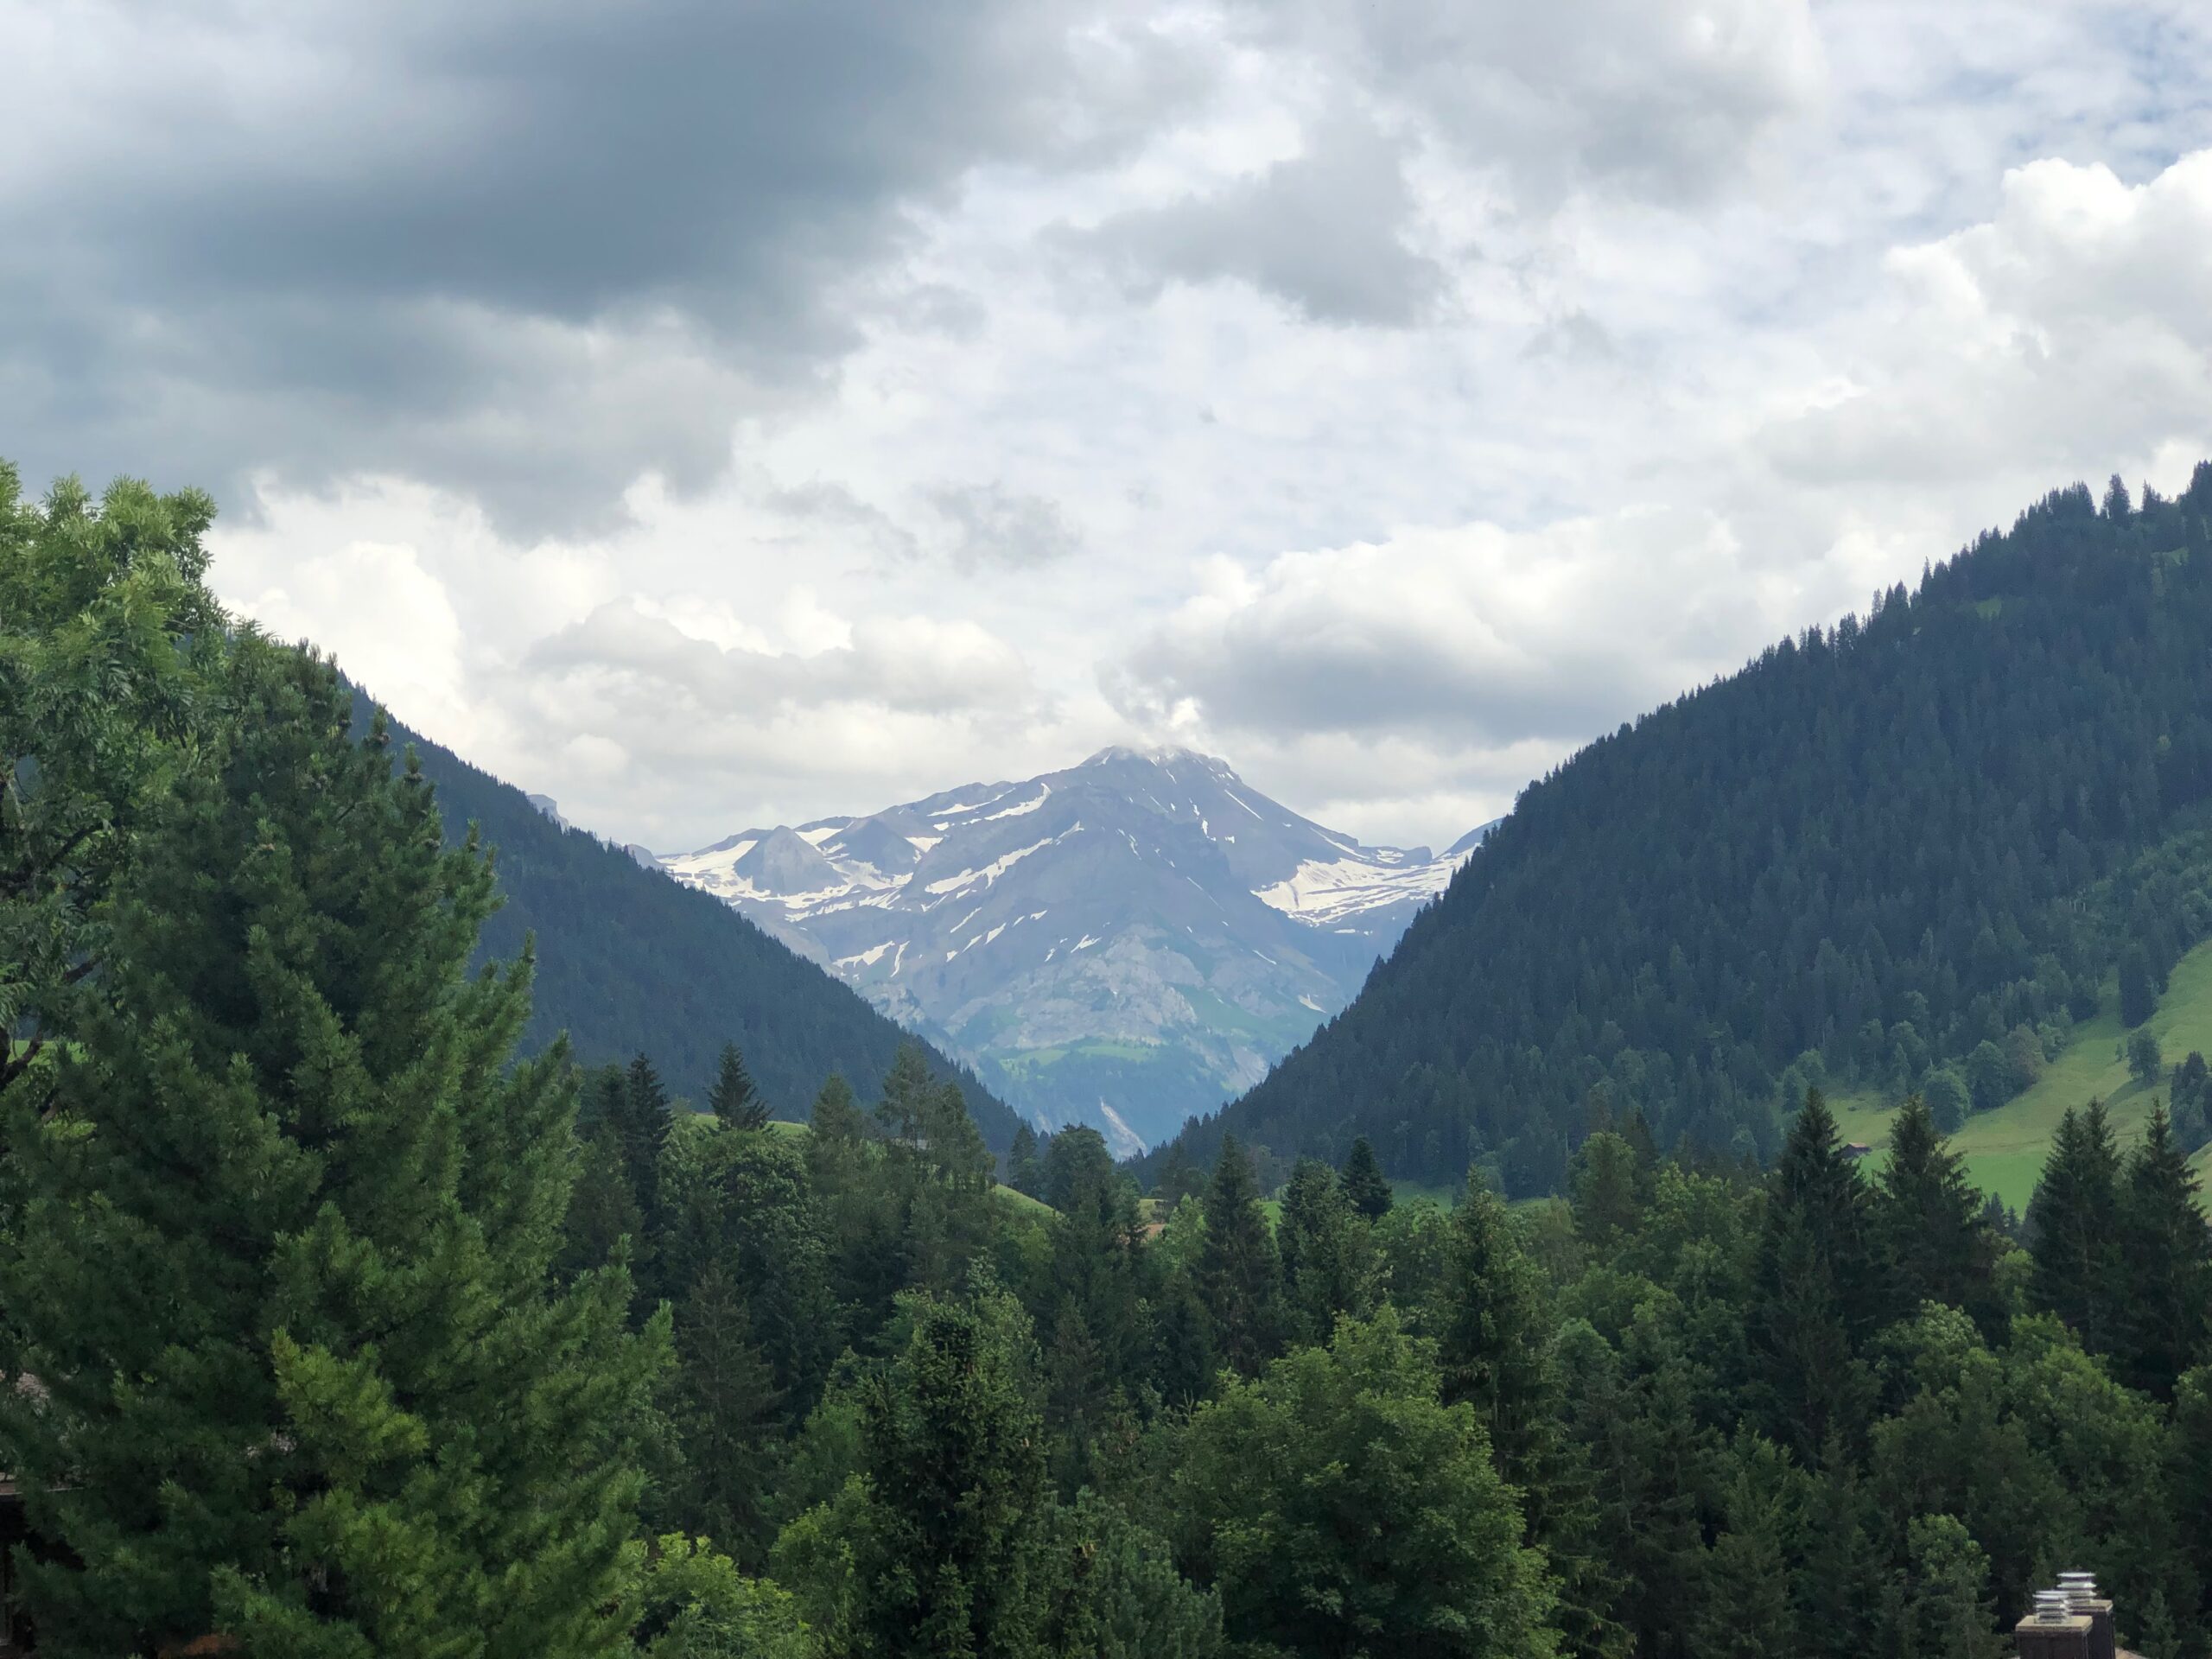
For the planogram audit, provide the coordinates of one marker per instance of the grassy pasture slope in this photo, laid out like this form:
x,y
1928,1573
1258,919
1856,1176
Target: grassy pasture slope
x,y
2005,1148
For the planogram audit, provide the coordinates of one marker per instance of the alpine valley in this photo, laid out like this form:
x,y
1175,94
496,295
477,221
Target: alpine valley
x,y
1124,944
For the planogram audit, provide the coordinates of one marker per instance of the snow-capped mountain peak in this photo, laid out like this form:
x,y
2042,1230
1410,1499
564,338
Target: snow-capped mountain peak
x,y
1123,942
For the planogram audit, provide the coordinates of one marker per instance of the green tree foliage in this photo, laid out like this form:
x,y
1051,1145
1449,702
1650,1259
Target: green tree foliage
x,y
2138,986
1076,1159
1339,1508
1928,1222
1238,1277
1327,1252
1820,1290
725,1408
1885,843
2164,1313
631,962
1607,1187
2188,1477
1945,1607
1116,1594
1364,1183
1945,1094
1495,1346
733,1099
1990,1077
2073,1233
692,1602
1746,1613
2191,1097
109,640
1024,1174
938,1525
284,1265
2144,1058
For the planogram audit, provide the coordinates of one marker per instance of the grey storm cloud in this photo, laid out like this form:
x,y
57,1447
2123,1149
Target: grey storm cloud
x,y
1322,231
994,525
524,250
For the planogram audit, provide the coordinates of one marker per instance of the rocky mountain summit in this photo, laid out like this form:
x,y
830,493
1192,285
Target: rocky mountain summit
x,y
1123,942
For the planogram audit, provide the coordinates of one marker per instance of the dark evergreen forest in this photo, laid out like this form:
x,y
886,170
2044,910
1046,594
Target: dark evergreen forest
x,y
1878,851
332,1325
630,962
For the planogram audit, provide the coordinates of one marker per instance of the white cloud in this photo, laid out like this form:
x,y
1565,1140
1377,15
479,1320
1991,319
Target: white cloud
x,y
1390,396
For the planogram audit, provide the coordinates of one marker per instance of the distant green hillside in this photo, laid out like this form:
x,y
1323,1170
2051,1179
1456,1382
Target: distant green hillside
x,y
1875,849
630,962
2005,1148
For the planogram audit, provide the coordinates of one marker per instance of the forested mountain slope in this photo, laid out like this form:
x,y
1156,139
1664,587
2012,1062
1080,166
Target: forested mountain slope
x,y
628,961
1886,844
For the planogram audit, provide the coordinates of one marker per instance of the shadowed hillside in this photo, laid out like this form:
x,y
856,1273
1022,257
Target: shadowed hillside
x,y
1925,835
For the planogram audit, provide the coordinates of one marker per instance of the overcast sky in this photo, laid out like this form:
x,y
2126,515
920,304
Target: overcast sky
x,y
715,414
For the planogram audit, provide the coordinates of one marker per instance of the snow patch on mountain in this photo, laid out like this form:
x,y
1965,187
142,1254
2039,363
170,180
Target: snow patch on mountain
x,y
1182,961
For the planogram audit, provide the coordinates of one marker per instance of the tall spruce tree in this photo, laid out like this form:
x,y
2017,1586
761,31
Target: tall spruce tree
x,y
641,1123
734,1098
725,1406
2160,1326
1820,1289
1495,1346
2074,1235
947,1537
1238,1277
1364,1182
1929,1222
1023,1173
285,1268
1327,1252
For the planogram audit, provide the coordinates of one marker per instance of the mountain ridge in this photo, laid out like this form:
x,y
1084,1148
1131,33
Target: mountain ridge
x,y
1123,942
1919,842
628,962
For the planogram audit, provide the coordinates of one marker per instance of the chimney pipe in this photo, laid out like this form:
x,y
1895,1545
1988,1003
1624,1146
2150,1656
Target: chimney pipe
x,y
2082,1597
2054,1630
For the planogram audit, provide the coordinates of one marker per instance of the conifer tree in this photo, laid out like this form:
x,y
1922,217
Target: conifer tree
x,y
2160,1323
1023,1173
1238,1277
901,1114
2074,1229
1820,1289
1928,1220
2189,1473
1744,1612
1364,1183
726,1402
1179,1178
603,1220
1604,1186
285,1271
2139,987
837,1115
733,1099
641,1123
947,1550
1327,1252
1496,1351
